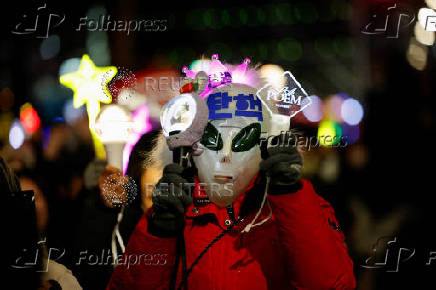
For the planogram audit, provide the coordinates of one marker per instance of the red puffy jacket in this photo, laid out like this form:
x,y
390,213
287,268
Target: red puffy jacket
x,y
299,247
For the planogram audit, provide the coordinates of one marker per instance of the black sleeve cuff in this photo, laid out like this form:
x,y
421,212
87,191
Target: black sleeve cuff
x,y
162,229
278,189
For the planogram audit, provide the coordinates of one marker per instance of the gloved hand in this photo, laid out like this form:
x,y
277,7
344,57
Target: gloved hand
x,y
171,197
283,165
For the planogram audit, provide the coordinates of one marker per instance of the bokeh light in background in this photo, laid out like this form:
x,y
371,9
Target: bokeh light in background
x,y
324,46
273,74
224,49
431,3
306,12
50,47
97,43
425,37
351,111
290,49
6,119
314,112
344,46
417,54
45,137
332,108
69,65
342,116
97,46
29,118
7,99
351,134
329,133
285,49
72,114
17,134
283,13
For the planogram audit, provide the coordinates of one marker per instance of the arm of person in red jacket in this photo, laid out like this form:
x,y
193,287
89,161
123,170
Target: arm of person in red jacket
x,y
315,250
147,262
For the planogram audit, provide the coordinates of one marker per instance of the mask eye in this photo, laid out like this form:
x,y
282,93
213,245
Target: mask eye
x,y
247,138
211,138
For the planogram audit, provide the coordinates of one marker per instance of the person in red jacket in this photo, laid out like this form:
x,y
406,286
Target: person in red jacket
x,y
251,223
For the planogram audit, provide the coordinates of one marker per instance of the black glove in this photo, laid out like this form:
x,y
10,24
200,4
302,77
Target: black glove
x,y
283,165
171,197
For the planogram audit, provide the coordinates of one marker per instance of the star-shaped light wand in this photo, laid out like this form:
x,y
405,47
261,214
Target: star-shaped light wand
x,y
89,84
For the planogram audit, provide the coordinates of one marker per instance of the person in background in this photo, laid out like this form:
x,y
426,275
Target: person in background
x,y
145,167
26,263
95,220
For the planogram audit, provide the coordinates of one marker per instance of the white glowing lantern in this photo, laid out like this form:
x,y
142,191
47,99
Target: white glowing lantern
x,y
113,126
178,114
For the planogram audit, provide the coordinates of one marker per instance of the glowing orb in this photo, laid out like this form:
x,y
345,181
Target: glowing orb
x,y
314,112
329,133
351,112
16,135
29,118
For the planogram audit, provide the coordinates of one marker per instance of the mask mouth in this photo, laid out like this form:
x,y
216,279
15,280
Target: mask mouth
x,y
223,178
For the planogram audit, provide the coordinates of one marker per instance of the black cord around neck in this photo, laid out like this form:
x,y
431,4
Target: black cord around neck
x,y
216,239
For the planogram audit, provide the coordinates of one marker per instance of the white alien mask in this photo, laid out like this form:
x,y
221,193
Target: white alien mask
x,y
230,141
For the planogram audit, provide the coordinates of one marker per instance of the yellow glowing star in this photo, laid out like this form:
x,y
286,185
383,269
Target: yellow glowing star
x,y
89,84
